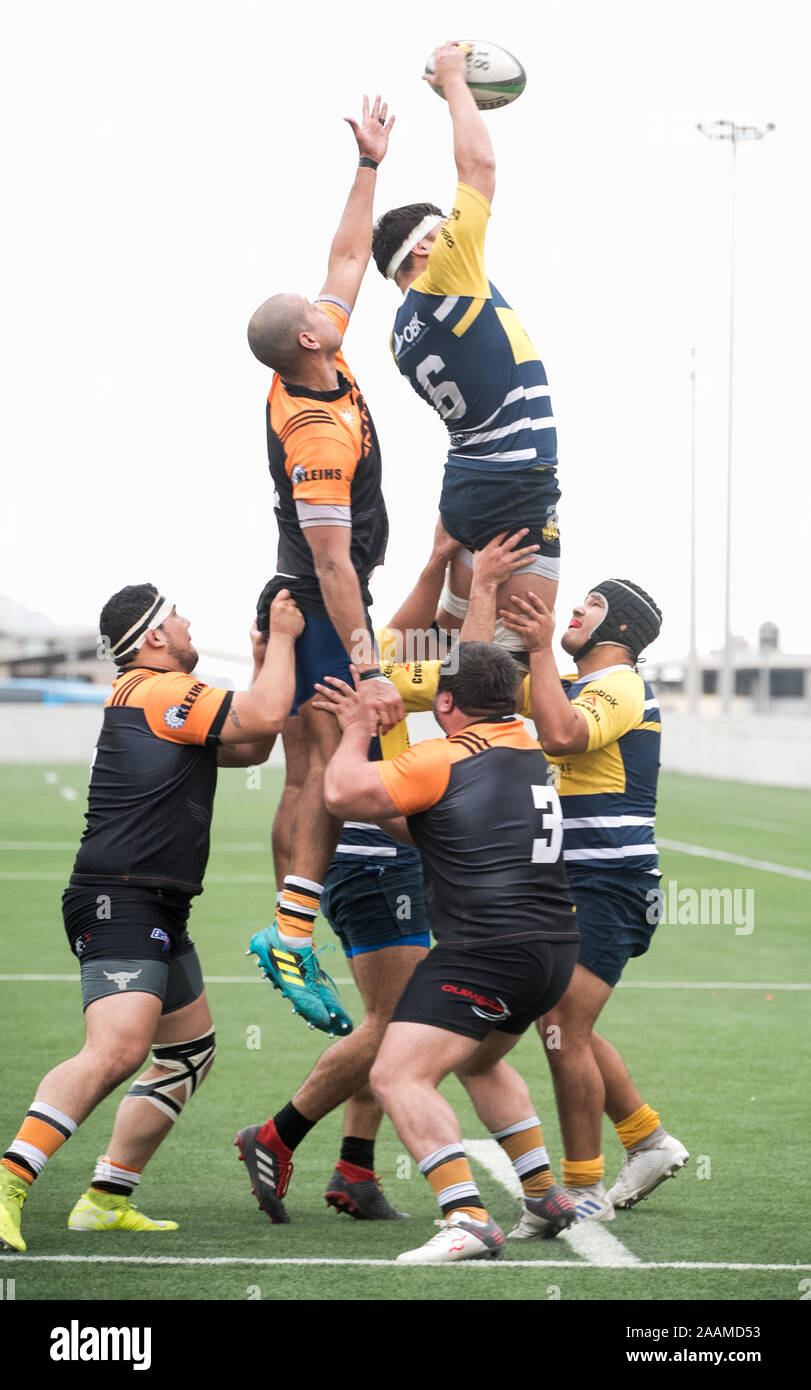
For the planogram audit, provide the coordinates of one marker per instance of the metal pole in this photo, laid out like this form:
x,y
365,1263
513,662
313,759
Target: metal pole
x,y
726,683
729,131
692,658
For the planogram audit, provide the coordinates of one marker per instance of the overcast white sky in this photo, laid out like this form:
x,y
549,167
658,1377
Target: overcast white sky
x,y
169,165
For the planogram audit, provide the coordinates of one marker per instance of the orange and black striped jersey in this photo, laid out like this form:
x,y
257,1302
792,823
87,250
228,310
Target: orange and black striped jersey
x,y
325,464
489,829
152,782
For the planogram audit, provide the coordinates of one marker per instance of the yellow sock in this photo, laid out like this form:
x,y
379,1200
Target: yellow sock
x,y
637,1126
586,1172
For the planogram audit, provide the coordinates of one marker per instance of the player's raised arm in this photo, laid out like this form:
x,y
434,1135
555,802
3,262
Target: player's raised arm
x,y
352,243
255,716
472,147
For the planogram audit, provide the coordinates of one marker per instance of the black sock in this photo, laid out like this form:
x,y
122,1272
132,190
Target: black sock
x,y
361,1152
114,1187
291,1126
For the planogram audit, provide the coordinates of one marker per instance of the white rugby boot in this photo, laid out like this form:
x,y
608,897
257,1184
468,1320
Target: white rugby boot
x,y
459,1238
591,1203
644,1169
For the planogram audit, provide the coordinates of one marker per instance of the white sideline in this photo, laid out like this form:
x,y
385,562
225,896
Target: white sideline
x,y
347,980
765,864
679,846
588,1238
6,1258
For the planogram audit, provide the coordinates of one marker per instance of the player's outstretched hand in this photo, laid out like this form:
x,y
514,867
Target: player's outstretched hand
x,y
285,615
374,130
499,560
531,619
449,62
340,699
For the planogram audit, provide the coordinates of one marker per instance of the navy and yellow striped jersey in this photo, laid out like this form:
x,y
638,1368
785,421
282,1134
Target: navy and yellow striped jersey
x,y
464,351
608,792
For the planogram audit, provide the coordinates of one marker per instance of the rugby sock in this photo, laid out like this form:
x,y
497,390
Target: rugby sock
x,y
297,910
358,1153
448,1172
286,1130
43,1131
524,1146
642,1124
109,1176
586,1172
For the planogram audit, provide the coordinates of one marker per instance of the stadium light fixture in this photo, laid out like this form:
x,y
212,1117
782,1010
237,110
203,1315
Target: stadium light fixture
x,y
733,134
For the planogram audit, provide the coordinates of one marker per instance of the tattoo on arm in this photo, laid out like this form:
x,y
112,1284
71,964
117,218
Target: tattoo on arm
x,y
234,717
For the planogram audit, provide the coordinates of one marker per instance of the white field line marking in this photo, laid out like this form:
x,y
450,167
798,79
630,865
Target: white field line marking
x,y
29,877
588,1238
765,864
209,979
49,845
704,984
679,846
763,825
239,1260
347,980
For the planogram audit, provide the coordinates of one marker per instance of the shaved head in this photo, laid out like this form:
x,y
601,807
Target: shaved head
x,y
273,331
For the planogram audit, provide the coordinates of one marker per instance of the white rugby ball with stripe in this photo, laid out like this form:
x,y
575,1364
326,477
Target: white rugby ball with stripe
x,y
493,75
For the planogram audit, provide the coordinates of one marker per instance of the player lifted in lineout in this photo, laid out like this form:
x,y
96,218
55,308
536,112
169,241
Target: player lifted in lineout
x,y
325,465
464,351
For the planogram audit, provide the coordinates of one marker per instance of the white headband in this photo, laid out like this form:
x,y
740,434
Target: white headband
x,y
126,646
410,242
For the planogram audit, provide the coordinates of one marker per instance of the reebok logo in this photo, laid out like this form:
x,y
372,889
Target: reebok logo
x,y
75,1343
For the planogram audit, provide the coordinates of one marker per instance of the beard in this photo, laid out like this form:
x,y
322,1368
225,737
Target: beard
x,y
185,657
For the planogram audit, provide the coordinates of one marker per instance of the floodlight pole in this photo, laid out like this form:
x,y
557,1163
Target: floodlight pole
x,y
692,658
733,134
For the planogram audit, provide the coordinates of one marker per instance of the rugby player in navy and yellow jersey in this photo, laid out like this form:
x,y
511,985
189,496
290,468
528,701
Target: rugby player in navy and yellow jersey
x,y
140,863
464,351
488,829
326,470
600,729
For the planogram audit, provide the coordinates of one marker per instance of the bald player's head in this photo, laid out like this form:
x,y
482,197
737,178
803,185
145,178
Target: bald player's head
x,y
273,332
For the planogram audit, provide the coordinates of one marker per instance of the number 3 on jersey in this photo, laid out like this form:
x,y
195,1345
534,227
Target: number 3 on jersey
x,y
546,849
444,396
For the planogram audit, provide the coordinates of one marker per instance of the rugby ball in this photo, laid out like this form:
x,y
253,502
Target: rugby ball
x,y
493,75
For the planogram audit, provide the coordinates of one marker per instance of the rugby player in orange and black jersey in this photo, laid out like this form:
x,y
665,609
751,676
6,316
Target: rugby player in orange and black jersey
x,y
489,830
140,863
145,846
324,460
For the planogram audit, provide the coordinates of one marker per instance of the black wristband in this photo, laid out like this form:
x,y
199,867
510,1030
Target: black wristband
x,y
374,673
365,163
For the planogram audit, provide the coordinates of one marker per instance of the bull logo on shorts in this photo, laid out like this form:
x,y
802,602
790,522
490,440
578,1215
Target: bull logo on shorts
x,y
122,977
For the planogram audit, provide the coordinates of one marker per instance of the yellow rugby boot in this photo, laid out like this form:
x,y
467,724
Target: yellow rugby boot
x,y
111,1211
13,1192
